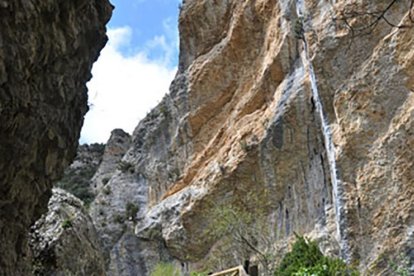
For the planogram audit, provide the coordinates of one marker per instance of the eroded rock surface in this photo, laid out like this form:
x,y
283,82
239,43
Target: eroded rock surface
x,y
278,114
46,53
245,132
64,240
120,193
116,147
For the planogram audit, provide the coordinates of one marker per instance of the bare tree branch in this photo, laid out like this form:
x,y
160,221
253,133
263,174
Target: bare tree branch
x,y
361,21
352,12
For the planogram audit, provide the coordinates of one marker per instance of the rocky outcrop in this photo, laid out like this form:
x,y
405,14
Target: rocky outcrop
x,y
64,240
46,53
116,209
116,147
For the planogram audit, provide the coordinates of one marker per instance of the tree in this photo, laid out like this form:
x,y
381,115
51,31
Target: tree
x,y
246,232
305,259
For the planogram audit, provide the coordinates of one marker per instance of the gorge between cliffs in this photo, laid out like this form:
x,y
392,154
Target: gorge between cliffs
x,y
285,119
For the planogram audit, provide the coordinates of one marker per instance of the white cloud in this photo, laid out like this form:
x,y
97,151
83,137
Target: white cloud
x,y
167,43
124,88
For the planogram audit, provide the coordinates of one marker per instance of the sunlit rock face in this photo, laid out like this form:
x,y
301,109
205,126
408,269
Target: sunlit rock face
x,y
253,132
282,112
46,53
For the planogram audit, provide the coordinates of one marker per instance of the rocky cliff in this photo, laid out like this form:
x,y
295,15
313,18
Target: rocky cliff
x,y
64,240
297,113
284,117
46,53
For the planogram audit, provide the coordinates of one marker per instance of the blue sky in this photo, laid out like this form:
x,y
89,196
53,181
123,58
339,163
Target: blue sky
x,y
148,19
135,68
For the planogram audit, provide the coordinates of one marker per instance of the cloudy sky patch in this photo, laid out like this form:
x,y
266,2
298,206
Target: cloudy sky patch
x,y
135,68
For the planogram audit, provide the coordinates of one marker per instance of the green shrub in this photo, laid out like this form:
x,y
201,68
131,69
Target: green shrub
x,y
131,210
107,190
98,148
306,259
119,219
401,265
198,273
164,110
78,184
165,269
244,146
174,174
105,180
298,28
67,223
125,167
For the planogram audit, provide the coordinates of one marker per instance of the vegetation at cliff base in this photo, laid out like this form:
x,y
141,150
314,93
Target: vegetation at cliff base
x,y
165,269
306,259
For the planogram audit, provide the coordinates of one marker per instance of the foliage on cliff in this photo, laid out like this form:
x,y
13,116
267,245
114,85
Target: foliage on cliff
x,y
76,179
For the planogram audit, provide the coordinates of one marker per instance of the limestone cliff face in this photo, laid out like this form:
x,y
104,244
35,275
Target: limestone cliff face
x,y
285,115
120,196
115,149
368,92
282,111
46,53
64,240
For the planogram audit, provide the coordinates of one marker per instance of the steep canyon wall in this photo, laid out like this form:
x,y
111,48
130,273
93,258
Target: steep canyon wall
x,y
241,129
284,117
46,53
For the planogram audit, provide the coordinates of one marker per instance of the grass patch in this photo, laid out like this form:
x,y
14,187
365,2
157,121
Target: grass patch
x,y
165,269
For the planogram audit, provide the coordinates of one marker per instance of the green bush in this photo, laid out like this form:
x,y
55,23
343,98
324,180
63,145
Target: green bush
x,y
131,210
78,184
244,146
401,265
107,190
67,223
198,273
165,269
118,219
105,180
306,259
98,148
125,167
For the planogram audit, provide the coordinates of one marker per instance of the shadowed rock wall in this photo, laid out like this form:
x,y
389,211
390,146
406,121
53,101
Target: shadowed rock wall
x,y
47,49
